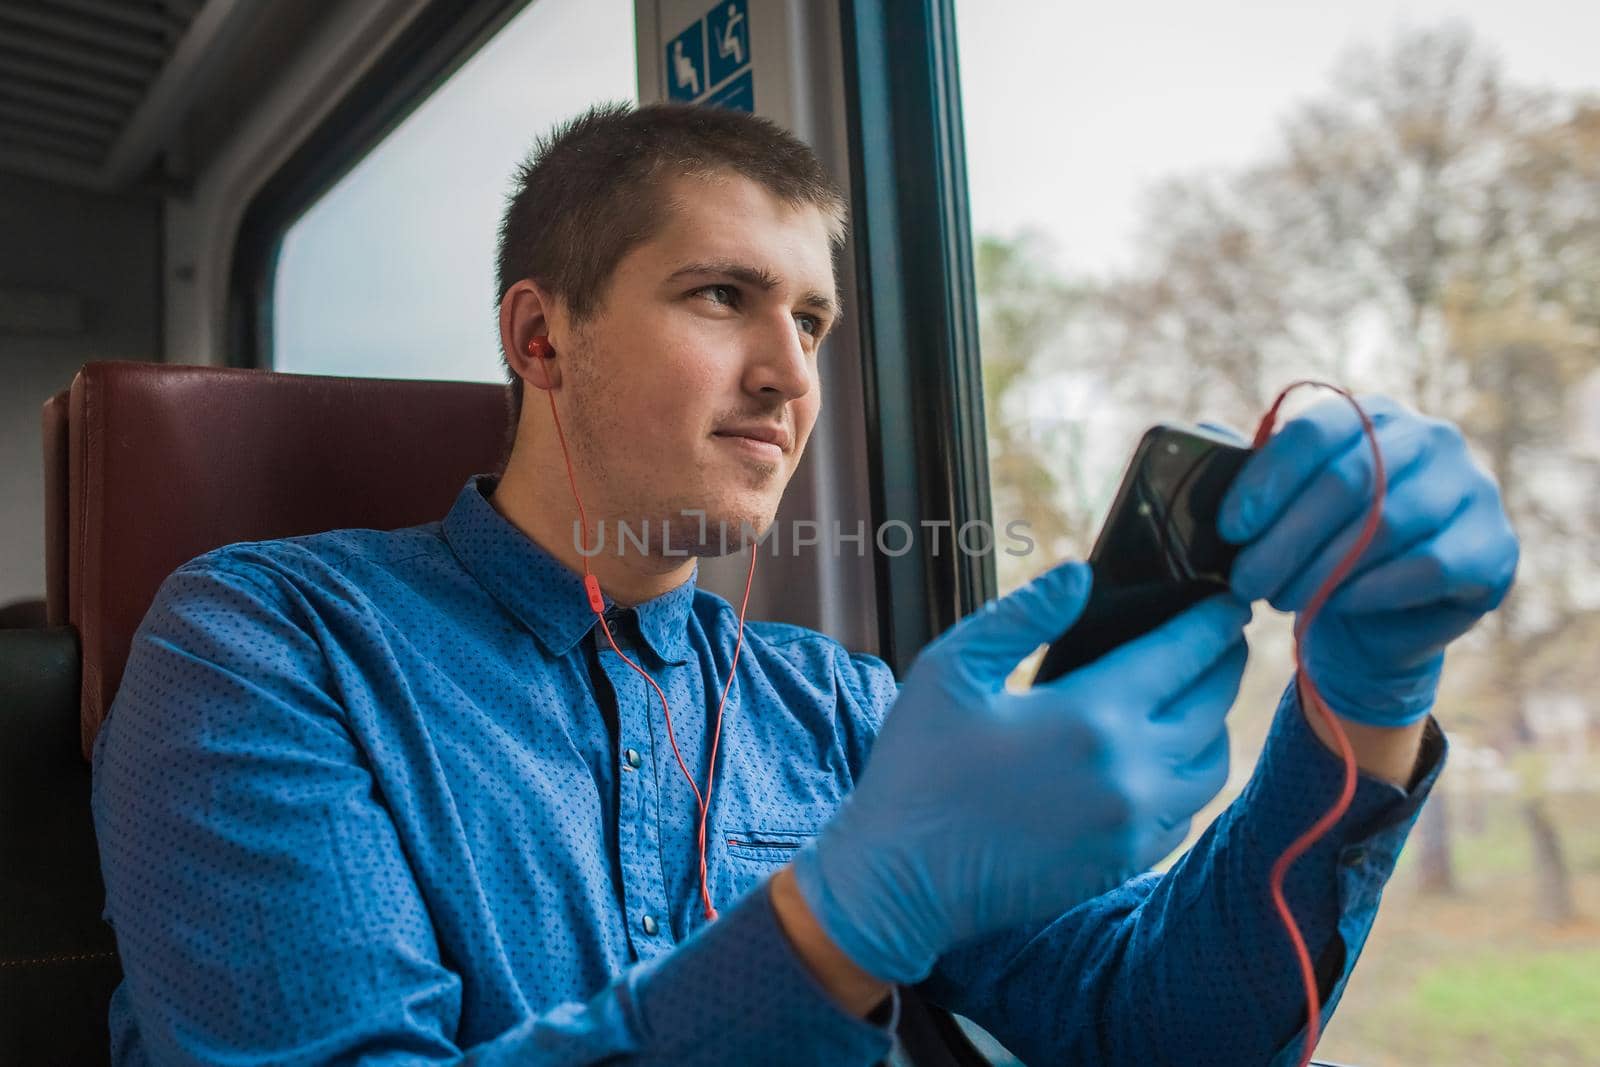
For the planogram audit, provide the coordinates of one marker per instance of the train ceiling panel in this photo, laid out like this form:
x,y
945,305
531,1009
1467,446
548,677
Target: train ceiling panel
x,y
93,91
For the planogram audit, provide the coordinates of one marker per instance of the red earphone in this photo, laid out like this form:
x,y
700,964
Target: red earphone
x,y
540,349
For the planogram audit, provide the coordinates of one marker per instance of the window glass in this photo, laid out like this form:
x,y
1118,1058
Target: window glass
x,y
391,272
1179,208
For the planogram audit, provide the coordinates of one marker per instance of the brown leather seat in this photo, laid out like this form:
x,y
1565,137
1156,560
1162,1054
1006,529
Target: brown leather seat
x,y
147,466
166,462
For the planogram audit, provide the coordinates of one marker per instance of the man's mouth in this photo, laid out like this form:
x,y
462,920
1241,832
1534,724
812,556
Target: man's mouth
x,y
761,439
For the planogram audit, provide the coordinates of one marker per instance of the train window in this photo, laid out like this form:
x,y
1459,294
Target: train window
x,y
391,272
1179,208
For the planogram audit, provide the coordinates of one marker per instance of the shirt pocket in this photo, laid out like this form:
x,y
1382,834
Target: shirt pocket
x,y
765,845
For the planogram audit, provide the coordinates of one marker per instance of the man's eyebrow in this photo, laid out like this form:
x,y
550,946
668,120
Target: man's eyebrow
x,y
759,277
822,302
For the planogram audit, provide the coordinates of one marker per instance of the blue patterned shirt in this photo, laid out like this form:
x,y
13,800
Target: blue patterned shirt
x,y
385,797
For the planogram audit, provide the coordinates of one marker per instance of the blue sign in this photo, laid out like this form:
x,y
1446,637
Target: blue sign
x,y
709,62
738,95
686,64
727,40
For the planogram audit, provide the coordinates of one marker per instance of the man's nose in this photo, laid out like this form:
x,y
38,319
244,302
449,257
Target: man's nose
x,y
777,360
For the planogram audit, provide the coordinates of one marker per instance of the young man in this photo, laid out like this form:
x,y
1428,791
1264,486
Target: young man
x,y
387,797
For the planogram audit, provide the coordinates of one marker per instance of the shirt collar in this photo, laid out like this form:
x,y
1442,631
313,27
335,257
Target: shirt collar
x,y
540,590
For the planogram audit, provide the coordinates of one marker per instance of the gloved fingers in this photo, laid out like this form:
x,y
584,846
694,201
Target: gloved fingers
x,y
1426,498
1435,504
1172,740
1164,842
1184,791
1193,719
1150,670
988,644
1209,765
1329,511
1275,475
1470,563
1400,640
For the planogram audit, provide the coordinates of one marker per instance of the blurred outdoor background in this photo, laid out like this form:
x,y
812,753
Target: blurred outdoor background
x,y
1177,211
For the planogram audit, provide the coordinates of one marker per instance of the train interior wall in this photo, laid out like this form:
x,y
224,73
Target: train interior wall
x,y
80,280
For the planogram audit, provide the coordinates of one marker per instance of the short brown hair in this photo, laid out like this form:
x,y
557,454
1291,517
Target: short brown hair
x,y
589,193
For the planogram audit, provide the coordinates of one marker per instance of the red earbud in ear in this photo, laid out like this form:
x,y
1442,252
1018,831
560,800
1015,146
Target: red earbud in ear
x,y
539,348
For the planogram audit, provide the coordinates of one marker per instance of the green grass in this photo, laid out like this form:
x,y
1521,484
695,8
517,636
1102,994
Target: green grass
x,y
1474,980
1520,1005
1474,1007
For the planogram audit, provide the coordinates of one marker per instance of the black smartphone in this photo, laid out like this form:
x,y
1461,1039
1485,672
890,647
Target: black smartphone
x,y
1159,551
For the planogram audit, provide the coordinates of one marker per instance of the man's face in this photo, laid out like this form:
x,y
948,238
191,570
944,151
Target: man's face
x,y
694,385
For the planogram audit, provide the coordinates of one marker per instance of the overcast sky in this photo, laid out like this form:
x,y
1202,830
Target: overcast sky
x,y
392,272
1071,110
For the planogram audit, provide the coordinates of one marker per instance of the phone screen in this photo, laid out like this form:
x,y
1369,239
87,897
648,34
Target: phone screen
x,y
1159,551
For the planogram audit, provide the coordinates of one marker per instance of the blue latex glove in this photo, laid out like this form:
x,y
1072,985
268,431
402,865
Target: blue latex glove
x,y
983,808
1444,554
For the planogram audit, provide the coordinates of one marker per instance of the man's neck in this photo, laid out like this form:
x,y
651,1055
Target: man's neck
x,y
548,516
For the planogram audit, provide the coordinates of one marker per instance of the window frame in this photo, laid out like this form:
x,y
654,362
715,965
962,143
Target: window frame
x,y
432,47
928,449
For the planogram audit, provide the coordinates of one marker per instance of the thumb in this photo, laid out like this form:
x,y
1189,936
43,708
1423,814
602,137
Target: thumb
x,y
988,644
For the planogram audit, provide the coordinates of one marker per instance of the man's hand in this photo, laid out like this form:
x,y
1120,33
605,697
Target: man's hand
x,y
982,809
1444,553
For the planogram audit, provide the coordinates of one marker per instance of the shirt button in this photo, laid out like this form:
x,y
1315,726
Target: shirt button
x,y
1354,857
650,925
634,760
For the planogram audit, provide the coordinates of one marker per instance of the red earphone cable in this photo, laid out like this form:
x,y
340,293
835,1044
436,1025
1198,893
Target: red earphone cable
x,y
539,349
1308,688
711,773
1310,693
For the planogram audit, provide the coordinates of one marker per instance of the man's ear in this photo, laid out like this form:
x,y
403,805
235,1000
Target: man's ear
x,y
525,313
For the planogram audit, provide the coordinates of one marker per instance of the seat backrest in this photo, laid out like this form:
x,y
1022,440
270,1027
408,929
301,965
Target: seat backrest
x,y
167,462
146,466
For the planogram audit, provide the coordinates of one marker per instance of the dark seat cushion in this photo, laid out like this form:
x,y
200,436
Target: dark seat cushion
x,y
58,960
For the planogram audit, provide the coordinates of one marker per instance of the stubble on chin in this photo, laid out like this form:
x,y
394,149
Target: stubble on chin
x,y
695,529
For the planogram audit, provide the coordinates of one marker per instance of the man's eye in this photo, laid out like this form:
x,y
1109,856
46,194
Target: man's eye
x,y
726,295
809,324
